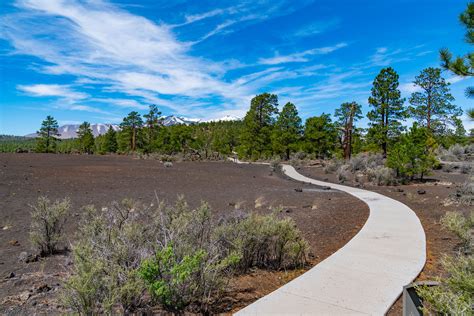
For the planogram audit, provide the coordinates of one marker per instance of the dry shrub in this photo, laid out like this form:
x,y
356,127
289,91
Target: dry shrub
x,y
447,167
462,226
457,151
264,241
111,243
465,193
382,176
179,255
47,223
332,166
453,295
465,168
275,165
343,173
168,164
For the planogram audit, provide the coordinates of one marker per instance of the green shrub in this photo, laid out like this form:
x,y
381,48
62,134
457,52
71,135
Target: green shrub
x,y
47,223
180,255
462,226
454,295
264,241
110,245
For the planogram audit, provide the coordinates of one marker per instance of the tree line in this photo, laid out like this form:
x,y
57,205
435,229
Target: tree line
x,y
267,132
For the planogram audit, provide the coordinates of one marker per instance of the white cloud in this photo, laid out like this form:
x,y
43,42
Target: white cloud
x,y
317,27
301,57
455,79
52,90
409,88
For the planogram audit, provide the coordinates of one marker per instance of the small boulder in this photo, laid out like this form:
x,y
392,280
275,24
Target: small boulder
x,y
24,296
421,192
11,275
298,189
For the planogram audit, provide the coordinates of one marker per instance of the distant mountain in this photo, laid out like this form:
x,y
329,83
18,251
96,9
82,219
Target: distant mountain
x,y
70,130
226,118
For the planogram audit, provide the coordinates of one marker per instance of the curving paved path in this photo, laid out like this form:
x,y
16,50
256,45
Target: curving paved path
x,y
364,277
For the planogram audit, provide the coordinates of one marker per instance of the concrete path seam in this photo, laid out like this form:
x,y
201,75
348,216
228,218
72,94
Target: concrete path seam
x,y
365,276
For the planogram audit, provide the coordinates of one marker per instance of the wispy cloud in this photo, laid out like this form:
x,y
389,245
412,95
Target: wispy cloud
x,y
52,90
317,27
301,57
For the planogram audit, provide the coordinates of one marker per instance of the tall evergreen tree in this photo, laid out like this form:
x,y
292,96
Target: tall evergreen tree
x,y
388,109
347,114
320,135
153,121
432,105
258,124
110,140
287,130
85,138
130,126
47,135
462,65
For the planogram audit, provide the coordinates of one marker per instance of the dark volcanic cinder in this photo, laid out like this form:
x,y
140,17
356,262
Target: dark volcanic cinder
x,y
327,218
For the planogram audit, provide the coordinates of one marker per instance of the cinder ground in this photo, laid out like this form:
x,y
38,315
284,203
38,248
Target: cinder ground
x,y
327,219
429,207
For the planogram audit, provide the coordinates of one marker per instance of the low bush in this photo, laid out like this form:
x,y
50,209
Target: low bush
x,y
457,151
343,173
332,166
447,167
111,243
275,165
462,226
179,255
466,168
382,176
465,193
47,223
454,295
264,241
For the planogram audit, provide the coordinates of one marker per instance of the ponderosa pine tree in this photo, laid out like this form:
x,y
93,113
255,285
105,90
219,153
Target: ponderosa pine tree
x,y
47,135
388,110
287,130
153,121
347,114
320,136
110,140
432,105
462,65
413,154
85,138
130,126
258,124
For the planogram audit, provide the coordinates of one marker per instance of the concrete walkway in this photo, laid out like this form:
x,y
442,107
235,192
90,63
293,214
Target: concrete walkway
x,y
366,276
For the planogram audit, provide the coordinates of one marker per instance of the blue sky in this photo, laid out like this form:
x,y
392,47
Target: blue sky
x,y
98,60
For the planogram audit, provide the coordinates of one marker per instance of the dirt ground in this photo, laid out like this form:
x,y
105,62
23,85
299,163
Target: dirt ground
x,y
328,219
429,206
